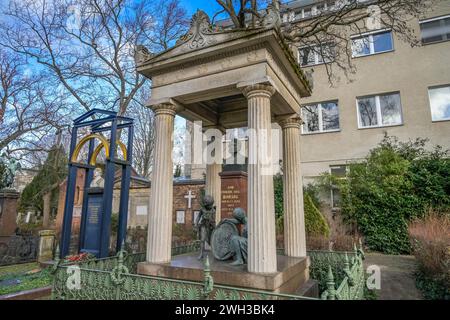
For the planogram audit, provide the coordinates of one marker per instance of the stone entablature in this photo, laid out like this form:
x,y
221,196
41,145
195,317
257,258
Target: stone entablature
x,y
204,74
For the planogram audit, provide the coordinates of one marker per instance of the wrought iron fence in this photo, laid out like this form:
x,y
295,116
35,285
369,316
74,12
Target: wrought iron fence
x,y
114,278
18,249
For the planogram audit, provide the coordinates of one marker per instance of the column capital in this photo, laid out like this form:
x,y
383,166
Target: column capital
x,y
165,108
259,89
294,121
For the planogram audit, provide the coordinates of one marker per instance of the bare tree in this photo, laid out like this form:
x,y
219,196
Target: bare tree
x,y
243,13
88,45
170,22
144,135
29,108
326,31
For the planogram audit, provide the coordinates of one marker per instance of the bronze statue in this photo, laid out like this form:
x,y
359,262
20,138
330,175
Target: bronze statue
x,y
239,243
11,168
205,223
226,241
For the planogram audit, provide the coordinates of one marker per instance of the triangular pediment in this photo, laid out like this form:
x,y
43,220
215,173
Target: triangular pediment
x,y
202,34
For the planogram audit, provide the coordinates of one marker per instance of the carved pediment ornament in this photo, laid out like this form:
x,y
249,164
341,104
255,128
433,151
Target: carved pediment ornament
x,y
142,54
198,34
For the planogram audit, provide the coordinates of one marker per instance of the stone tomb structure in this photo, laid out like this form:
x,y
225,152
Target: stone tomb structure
x,y
229,79
8,211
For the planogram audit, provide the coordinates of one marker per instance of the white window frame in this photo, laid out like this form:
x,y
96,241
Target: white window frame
x,y
441,18
431,107
319,110
371,42
378,109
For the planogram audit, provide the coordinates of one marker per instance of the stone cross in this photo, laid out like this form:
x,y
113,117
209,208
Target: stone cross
x,y
189,196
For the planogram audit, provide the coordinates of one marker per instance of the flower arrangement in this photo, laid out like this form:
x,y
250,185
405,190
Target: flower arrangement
x,y
77,258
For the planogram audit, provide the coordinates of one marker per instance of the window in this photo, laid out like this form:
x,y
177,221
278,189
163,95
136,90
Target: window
x,y
320,117
435,30
339,172
440,103
372,43
312,55
379,111
180,216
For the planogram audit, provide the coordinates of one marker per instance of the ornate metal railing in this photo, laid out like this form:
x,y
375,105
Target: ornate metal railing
x,y
18,249
115,278
351,279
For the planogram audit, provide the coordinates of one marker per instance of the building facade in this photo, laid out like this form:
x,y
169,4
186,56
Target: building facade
x,y
397,90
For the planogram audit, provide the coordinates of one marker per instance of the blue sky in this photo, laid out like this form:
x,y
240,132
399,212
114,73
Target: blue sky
x,y
209,6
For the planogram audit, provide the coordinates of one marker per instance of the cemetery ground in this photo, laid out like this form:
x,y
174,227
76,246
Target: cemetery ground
x,y
23,277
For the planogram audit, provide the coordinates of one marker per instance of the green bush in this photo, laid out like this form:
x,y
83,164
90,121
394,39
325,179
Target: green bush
x,y
397,183
432,288
315,222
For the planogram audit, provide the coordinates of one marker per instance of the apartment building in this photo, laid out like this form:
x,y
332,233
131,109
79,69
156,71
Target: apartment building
x,y
397,89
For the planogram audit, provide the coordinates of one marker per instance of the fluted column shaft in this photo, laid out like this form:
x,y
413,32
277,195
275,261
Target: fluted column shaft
x,y
262,255
294,217
161,198
214,187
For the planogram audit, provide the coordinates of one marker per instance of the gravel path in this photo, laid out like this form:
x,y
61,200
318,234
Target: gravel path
x,y
397,276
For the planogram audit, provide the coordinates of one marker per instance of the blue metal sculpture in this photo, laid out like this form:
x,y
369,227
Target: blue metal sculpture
x,y
97,201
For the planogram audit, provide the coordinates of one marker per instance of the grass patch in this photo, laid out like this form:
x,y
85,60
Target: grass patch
x,y
17,269
27,280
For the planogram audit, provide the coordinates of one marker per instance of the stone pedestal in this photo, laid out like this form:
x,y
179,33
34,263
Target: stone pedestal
x,y
46,245
8,211
291,274
161,198
234,192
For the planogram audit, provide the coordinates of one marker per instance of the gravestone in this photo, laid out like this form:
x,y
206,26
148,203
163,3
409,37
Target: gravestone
x,y
46,245
91,235
234,192
8,211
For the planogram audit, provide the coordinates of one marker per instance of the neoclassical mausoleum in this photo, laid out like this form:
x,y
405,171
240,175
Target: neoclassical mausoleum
x,y
228,79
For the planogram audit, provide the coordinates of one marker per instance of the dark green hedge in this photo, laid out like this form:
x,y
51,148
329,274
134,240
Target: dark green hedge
x,y
397,182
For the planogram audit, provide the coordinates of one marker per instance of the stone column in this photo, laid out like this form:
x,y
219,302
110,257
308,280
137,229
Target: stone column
x,y
262,255
161,195
294,217
47,202
214,187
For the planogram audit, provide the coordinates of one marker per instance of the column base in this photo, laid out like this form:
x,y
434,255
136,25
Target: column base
x,y
291,277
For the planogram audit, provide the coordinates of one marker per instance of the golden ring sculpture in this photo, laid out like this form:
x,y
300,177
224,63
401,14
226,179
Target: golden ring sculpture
x,y
104,143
